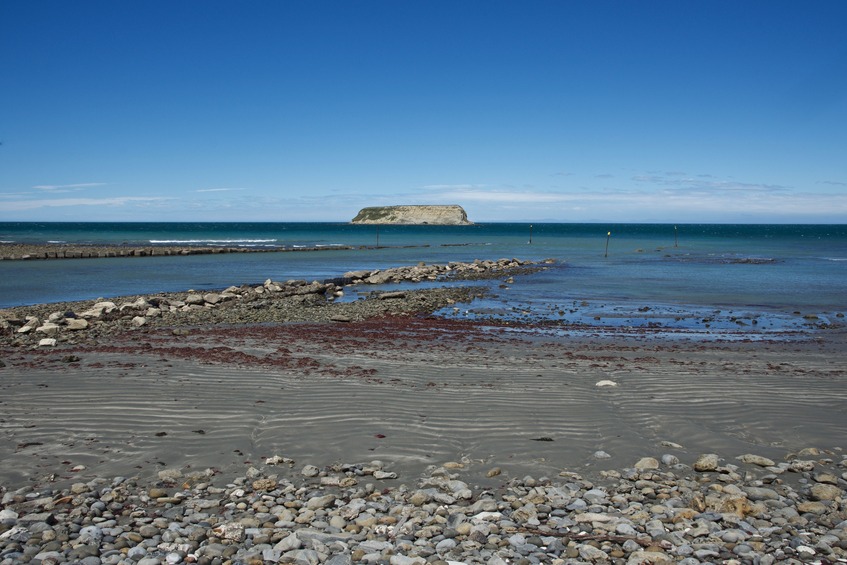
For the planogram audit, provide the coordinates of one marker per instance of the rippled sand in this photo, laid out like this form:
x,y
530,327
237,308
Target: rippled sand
x,y
410,393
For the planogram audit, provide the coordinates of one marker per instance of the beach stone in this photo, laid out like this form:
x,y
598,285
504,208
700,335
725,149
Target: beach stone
x,y
759,493
706,462
47,342
233,531
170,475
811,507
823,491
301,557
592,553
646,557
646,463
670,459
801,466
48,328
319,502
606,383
195,299
756,460
404,560
289,542
671,444
264,484
828,478
310,471
139,321
148,531
76,324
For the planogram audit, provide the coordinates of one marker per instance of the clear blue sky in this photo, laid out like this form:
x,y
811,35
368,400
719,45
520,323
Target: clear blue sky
x,y
675,111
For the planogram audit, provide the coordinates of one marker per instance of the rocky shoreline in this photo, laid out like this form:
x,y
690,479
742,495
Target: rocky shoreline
x,y
282,511
47,325
674,504
31,252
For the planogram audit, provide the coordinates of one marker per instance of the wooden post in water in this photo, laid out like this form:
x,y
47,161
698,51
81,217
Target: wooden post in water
x,y
608,236
530,234
675,237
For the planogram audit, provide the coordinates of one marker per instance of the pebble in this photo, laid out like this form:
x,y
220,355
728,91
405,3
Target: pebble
x,y
645,514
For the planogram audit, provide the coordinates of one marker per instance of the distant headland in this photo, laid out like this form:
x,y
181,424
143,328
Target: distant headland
x,y
438,215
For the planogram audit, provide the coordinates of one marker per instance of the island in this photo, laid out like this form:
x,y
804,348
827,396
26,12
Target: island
x,y
420,214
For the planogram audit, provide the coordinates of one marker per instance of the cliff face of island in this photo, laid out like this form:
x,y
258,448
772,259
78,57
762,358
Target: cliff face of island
x,y
439,215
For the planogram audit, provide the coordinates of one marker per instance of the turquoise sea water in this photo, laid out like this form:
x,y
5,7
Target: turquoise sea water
x,y
762,276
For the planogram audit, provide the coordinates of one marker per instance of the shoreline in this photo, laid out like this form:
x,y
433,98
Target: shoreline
x,y
253,441
43,251
49,251
286,427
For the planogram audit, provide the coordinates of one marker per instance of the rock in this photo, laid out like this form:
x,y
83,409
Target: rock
x,y
706,462
756,460
98,309
592,553
233,531
823,491
801,466
669,459
318,502
606,383
47,342
156,492
48,328
264,484
310,471
195,299
646,463
76,324
139,321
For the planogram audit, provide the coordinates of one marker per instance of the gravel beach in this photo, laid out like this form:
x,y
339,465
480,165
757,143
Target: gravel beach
x,y
276,423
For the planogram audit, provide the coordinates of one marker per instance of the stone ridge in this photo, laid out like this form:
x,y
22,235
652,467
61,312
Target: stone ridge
x,y
420,214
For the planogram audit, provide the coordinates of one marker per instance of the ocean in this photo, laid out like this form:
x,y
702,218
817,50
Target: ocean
x,y
692,279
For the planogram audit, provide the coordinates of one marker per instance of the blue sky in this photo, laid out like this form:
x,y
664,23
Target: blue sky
x,y
670,111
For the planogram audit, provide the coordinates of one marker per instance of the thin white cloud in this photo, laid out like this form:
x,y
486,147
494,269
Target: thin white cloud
x,y
218,189
65,187
452,186
690,183
651,198
832,183
69,202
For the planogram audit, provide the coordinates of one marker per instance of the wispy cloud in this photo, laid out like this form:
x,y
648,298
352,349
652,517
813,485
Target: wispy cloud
x,y
218,189
649,197
116,201
67,187
700,183
452,186
832,183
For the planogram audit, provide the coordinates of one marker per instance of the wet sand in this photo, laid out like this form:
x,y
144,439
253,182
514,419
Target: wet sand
x,y
411,392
